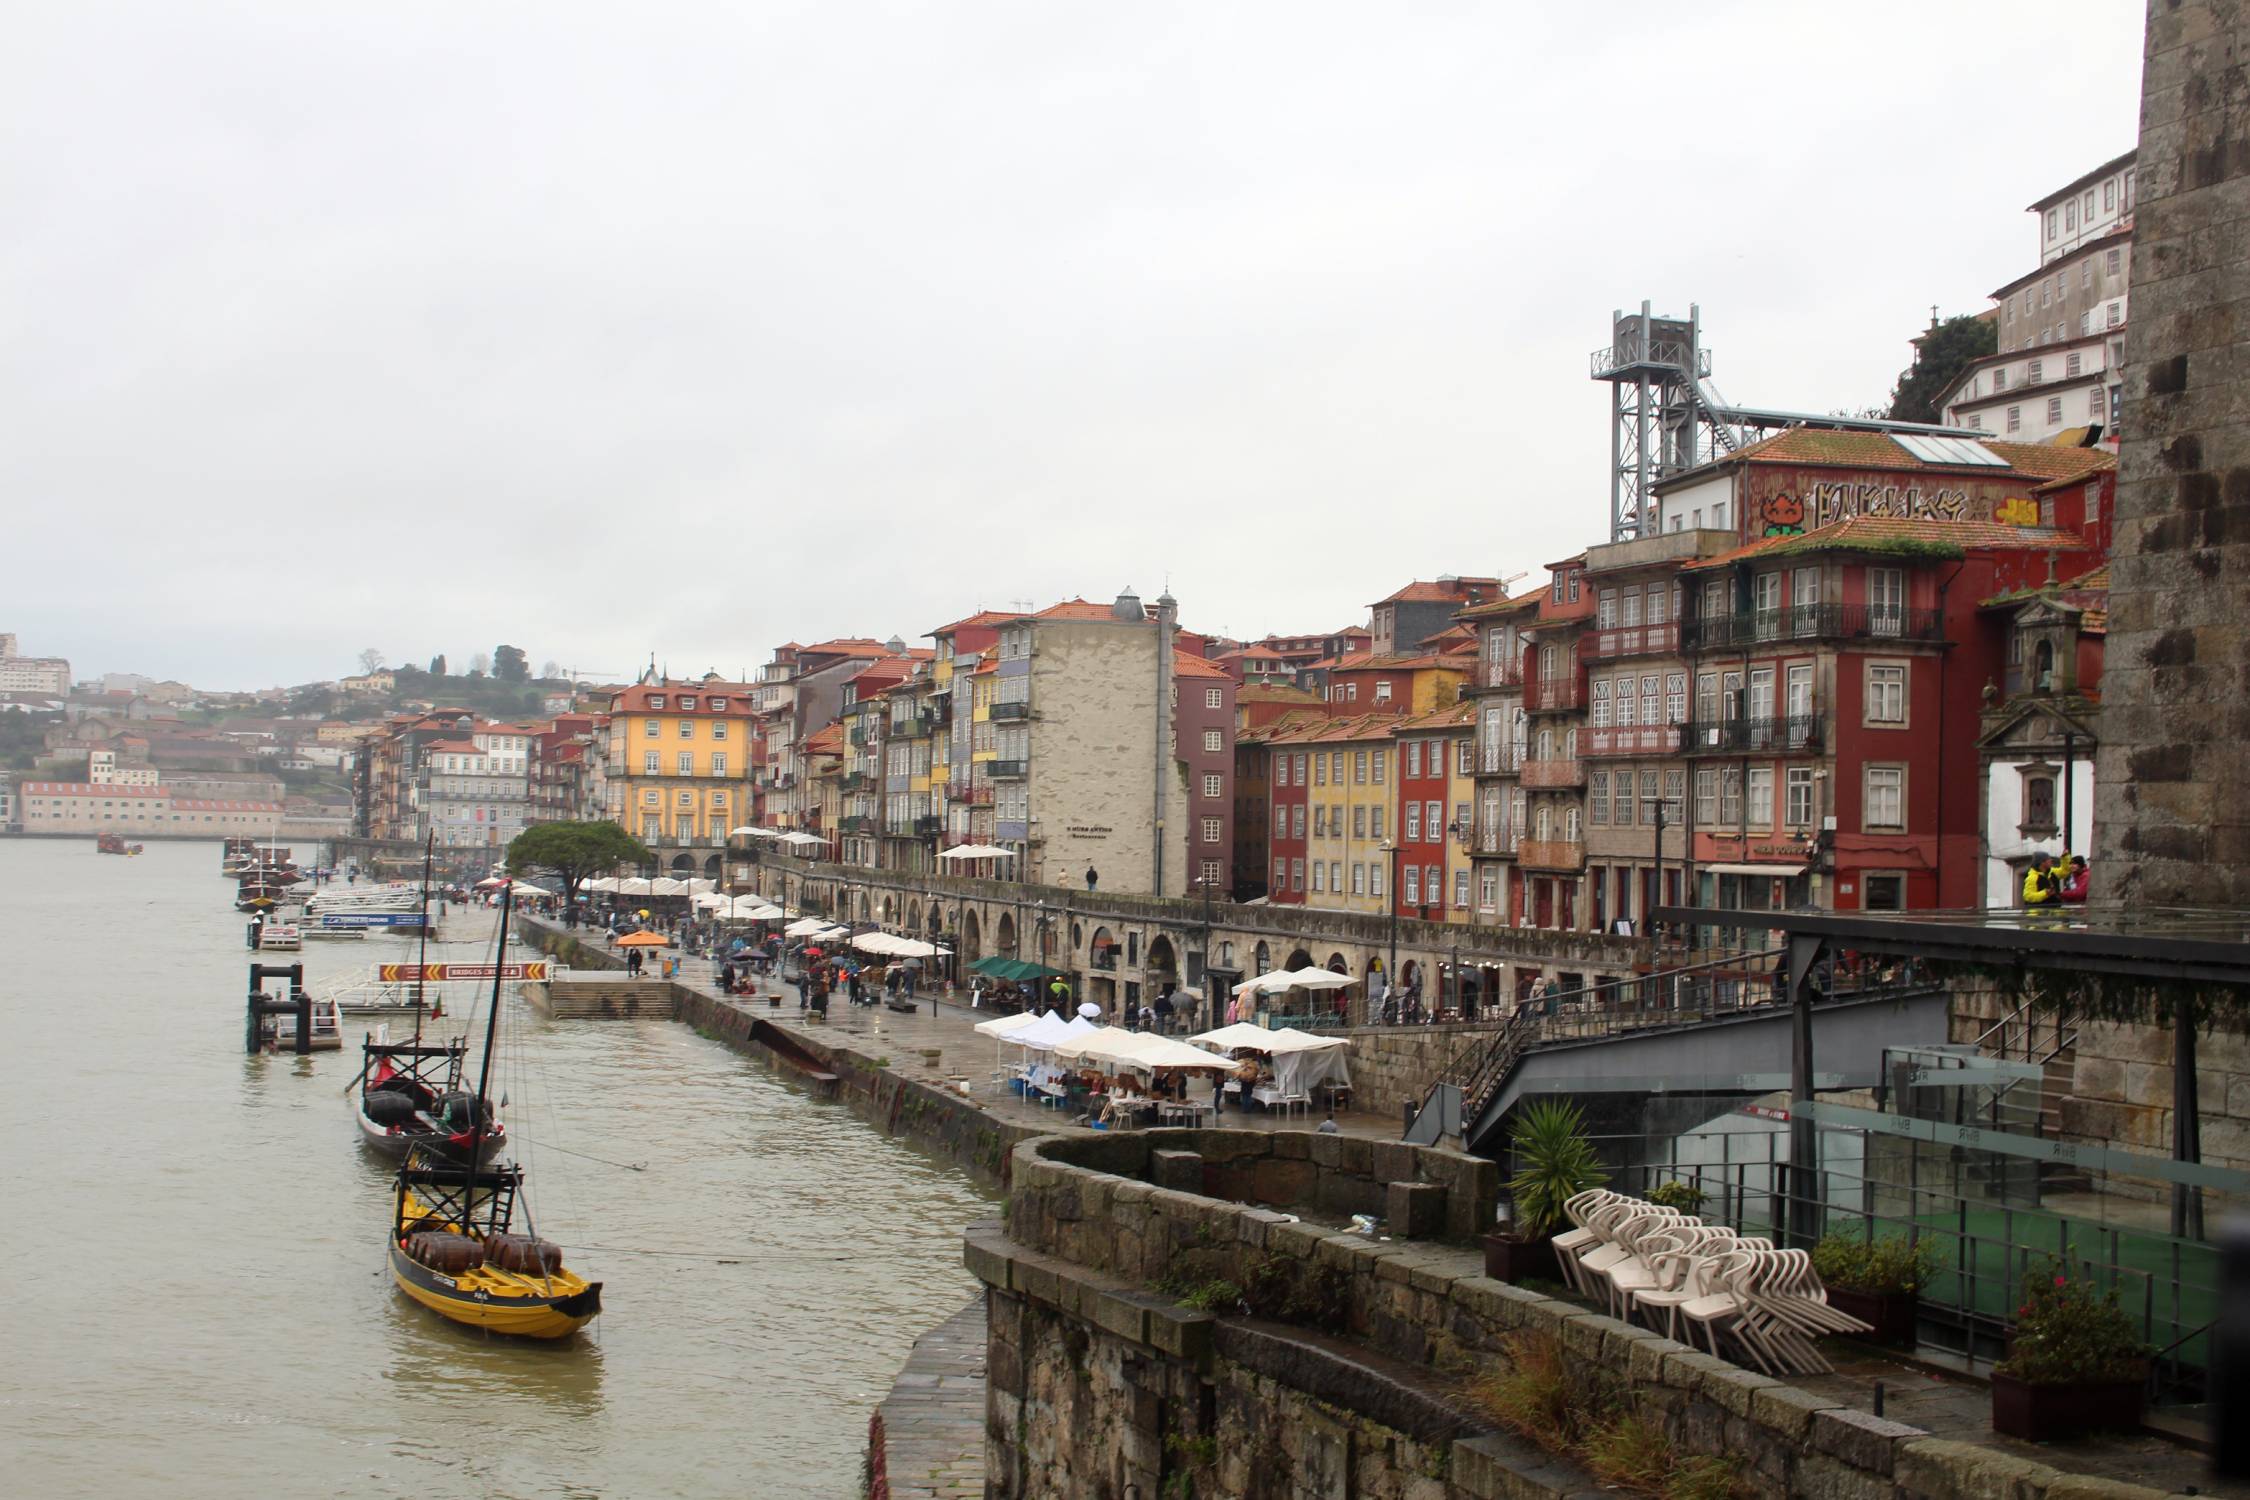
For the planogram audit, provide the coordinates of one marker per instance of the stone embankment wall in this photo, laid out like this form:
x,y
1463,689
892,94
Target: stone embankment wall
x,y
1350,1381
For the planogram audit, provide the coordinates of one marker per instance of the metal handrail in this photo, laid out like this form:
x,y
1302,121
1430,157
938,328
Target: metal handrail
x,y
1829,621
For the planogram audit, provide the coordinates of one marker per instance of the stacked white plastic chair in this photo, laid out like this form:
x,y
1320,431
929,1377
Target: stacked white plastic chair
x,y
1698,1282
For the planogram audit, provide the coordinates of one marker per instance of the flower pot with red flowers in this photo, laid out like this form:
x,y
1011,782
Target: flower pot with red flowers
x,y
1554,1164
1877,1280
2075,1362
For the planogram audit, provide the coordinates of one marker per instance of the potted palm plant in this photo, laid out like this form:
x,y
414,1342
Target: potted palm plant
x,y
1878,1280
2075,1362
1554,1163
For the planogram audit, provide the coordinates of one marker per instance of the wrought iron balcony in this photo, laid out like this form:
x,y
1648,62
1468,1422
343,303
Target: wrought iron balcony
x,y
1813,622
1494,838
1788,732
857,734
856,823
1500,673
857,781
1008,712
1633,640
974,796
1499,760
1565,690
929,826
1554,771
1010,769
1630,739
1551,854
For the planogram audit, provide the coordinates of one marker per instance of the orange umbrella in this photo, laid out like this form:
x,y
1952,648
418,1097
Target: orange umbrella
x,y
644,940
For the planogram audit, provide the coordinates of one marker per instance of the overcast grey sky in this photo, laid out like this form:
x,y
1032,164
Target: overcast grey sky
x,y
604,329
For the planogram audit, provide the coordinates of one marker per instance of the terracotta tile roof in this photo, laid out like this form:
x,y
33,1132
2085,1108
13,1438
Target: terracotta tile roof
x,y
982,619
1444,592
1195,666
847,646
829,736
1875,450
2068,481
1373,661
1902,537
1528,599
1073,609
1453,716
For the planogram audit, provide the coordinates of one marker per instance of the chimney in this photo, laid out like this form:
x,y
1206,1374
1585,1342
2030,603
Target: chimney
x,y
1128,606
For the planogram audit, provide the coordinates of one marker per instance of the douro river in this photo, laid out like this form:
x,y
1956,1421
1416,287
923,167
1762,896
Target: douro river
x,y
197,1303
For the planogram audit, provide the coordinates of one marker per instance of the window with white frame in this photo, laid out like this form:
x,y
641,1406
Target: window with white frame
x,y
1797,809
1886,692
1214,784
1488,890
1214,739
1375,879
1413,757
1598,702
1214,697
2054,408
1359,820
1210,830
1281,874
1413,885
718,763
1885,805
648,762
1383,690
1297,874
1297,822
1730,796
1460,890
1319,876
1706,796
2015,419
1758,791
1414,821
1336,876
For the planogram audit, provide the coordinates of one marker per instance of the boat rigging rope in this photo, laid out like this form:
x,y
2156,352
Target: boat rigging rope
x,y
630,1166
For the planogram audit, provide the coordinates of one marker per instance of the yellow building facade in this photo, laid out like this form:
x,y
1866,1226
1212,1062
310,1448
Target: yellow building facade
x,y
680,760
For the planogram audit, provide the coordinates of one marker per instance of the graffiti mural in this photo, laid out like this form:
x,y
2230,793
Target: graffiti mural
x,y
2016,511
1839,500
1784,515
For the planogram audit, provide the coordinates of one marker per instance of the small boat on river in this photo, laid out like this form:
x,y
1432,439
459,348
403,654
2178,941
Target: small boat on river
x,y
278,1033
410,1094
453,1244
112,843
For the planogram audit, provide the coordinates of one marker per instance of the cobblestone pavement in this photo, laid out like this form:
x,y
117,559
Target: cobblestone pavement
x,y
933,1419
947,1029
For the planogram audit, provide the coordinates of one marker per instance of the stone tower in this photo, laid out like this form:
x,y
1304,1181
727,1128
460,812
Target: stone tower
x,y
2173,790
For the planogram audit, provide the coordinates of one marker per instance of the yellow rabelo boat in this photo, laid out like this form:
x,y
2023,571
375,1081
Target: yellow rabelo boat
x,y
452,1244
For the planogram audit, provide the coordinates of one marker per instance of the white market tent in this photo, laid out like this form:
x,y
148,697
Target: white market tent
x,y
978,851
1300,1059
1272,982
796,837
806,926
750,833
1138,1049
1002,1025
1320,979
890,945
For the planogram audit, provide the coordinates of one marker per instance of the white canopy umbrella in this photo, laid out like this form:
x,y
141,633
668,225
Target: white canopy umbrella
x,y
978,851
1320,979
806,926
599,884
710,900
1272,982
798,837
1245,1037
1138,1049
1002,1025
700,886
750,833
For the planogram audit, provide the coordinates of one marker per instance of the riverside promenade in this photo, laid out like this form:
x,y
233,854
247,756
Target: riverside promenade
x,y
940,1393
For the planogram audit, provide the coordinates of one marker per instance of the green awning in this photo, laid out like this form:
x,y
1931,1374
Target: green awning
x,y
1014,969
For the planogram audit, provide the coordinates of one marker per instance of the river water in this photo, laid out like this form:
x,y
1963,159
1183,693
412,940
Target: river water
x,y
199,1304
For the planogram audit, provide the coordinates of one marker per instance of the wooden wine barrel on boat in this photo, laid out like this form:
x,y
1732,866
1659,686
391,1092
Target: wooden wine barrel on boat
x,y
524,1254
440,1251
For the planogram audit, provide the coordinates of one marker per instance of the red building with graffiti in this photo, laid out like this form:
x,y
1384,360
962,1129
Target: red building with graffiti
x,y
1838,664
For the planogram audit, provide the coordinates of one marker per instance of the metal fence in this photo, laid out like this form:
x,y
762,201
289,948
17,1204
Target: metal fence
x,y
1986,1246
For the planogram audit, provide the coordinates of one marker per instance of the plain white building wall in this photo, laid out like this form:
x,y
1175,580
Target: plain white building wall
x,y
2004,814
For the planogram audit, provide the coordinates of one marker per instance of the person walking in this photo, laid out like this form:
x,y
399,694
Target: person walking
x,y
1093,877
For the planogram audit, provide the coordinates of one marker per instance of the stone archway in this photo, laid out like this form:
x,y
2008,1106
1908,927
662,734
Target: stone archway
x,y
866,907
1298,959
972,936
1264,959
1337,965
714,866
1102,955
1162,963
683,864
1409,974
1004,934
890,911
914,916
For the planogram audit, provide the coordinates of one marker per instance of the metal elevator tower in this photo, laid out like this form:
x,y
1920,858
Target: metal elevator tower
x,y
1666,417
1661,420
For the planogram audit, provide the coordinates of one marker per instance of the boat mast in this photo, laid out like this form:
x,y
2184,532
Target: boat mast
x,y
422,954
484,1070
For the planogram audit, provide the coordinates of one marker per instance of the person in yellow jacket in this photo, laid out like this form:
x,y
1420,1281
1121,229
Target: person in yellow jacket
x,y
2039,881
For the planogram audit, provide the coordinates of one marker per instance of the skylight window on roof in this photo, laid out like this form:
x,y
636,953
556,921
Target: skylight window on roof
x,y
1948,450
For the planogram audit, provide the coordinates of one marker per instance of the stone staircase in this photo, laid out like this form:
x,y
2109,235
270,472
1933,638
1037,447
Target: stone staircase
x,y
575,998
